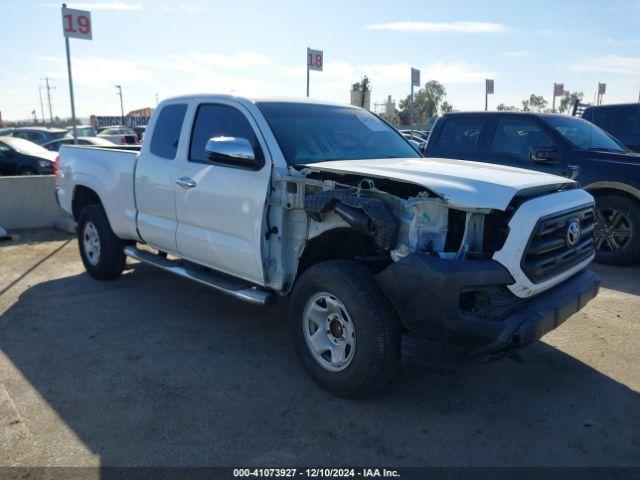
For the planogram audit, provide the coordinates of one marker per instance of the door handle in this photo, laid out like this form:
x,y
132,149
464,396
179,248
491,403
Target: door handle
x,y
186,182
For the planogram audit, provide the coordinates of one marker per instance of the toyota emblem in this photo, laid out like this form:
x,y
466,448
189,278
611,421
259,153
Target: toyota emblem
x,y
573,233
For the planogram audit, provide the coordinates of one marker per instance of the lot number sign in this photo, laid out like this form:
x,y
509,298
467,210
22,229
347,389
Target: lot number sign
x,y
315,59
76,23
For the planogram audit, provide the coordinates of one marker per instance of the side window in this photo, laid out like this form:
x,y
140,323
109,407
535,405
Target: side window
x,y
164,142
219,121
616,120
517,135
461,134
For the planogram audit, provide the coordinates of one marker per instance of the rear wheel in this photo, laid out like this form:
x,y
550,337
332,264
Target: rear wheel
x,y
617,235
346,333
100,249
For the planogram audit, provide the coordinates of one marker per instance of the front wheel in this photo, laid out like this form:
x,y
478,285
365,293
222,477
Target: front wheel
x,y
617,235
346,333
101,250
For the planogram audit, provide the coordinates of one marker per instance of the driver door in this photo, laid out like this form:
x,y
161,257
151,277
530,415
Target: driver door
x,y
220,208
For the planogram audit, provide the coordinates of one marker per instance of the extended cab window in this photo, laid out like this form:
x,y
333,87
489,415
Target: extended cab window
x,y
517,136
164,142
461,134
219,121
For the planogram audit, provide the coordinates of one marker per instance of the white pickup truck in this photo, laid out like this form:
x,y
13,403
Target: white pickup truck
x,y
331,206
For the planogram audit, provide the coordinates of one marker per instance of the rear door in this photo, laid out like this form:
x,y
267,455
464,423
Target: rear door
x,y
221,211
459,136
156,174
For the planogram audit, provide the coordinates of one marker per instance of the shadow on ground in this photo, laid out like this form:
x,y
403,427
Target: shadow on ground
x,y
153,370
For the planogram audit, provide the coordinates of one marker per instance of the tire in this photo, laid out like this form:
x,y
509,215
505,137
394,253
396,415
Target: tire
x,y
371,360
617,214
110,260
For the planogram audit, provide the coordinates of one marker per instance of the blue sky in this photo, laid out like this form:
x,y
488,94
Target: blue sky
x,y
258,48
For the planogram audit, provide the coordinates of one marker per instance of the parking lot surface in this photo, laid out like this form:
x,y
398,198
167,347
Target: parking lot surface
x,y
152,370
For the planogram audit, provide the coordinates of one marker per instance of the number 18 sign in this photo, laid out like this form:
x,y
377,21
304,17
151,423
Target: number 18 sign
x,y
76,23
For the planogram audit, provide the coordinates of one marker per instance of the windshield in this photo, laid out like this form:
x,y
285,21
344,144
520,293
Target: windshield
x,y
310,133
585,135
25,146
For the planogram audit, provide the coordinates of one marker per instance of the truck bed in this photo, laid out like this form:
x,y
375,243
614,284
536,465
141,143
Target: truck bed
x,y
108,171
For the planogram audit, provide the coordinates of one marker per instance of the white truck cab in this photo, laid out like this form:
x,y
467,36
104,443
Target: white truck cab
x,y
331,205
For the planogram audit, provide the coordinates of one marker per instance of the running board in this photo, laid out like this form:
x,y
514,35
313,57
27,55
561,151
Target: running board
x,y
218,281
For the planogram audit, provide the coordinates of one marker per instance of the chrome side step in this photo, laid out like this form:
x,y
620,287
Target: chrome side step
x,y
218,281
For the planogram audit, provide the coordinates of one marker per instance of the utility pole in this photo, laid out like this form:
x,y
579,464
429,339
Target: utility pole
x,y
49,88
119,88
41,104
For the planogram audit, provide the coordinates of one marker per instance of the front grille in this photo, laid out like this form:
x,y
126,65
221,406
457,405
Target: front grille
x,y
549,251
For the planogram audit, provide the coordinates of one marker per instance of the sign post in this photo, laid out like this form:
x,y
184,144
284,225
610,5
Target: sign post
x,y
602,89
415,82
488,90
75,24
558,91
315,61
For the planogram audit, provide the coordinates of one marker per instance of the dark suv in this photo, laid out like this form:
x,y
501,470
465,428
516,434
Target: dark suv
x,y
622,121
560,145
39,135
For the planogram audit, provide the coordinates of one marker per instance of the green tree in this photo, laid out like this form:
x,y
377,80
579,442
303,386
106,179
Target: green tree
x,y
426,101
568,100
535,103
506,108
446,107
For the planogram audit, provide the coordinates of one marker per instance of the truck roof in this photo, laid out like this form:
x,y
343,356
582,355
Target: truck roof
x,y
505,112
212,96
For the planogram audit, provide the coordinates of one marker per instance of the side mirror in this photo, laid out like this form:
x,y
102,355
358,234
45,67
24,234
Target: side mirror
x,y
545,155
233,151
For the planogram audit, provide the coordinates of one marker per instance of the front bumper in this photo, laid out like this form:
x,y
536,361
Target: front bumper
x,y
465,304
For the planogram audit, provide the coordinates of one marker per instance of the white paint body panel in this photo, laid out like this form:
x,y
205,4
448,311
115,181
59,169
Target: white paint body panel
x,y
520,228
463,184
109,173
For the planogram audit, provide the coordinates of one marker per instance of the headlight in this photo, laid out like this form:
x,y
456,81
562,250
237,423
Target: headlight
x,y
44,163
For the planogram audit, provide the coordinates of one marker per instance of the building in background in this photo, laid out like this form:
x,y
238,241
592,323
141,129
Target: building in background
x,y
134,118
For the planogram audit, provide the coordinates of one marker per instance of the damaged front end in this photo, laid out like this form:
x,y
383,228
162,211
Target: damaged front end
x,y
434,262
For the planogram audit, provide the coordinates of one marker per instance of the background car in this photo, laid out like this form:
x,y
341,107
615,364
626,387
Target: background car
x,y
54,145
37,135
83,131
22,157
119,135
622,121
561,145
140,130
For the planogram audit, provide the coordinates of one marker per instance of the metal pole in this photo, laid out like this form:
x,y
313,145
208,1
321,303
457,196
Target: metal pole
x,y
486,97
49,100
73,106
553,103
41,104
307,80
411,109
119,88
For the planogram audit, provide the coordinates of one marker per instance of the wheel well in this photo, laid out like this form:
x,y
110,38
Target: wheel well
x,y
336,244
82,197
601,192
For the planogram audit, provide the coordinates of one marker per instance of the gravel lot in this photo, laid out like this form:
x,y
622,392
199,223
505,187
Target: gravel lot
x,y
154,370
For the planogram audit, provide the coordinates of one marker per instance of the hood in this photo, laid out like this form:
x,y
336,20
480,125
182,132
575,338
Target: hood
x,y
463,184
626,158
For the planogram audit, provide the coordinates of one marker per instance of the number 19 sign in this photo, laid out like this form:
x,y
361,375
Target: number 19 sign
x,y
76,23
